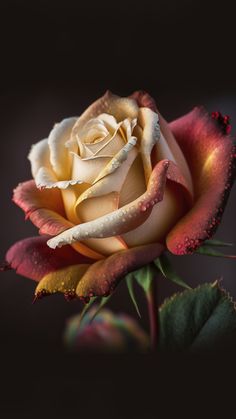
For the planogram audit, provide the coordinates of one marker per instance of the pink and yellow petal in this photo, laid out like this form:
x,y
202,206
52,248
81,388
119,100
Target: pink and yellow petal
x,y
63,280
44,208
210,154
33,259
103,276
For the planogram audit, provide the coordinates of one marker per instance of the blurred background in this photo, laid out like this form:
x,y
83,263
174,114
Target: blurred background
x,y
58,57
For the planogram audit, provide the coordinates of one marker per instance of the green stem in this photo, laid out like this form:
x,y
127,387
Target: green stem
x,y
153,313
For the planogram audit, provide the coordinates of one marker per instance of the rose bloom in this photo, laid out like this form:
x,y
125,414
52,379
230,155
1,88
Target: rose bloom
x,y
115,187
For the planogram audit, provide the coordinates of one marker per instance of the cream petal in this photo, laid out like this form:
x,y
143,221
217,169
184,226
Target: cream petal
x,y
123,219
39,156
116,106
118,159
109,121
134,184
162,218
46,178
106,246
88,169
108,184
59,154
149,122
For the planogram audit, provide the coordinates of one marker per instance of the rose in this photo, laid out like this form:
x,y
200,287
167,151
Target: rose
x,y
119,185
106,333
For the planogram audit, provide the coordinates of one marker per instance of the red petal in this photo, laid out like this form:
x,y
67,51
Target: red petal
x,y
44,207
103,276
33,259
143,99
210,156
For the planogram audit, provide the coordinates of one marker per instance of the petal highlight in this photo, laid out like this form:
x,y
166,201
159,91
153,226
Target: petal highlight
x,y
210,154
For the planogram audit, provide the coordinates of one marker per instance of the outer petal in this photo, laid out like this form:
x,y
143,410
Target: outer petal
x,y
44,208
39,156
33,259
64,280
102,277
210,155
167,147
59,155
144,100
122,220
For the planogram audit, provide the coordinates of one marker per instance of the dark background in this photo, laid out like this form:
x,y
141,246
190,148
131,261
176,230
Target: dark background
x,y
56,58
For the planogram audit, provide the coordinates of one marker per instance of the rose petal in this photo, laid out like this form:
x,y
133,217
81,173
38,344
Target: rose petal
x,y
46,210
119,107
103,276
64,280
106,246
210,155
43,207
46,178
59,155
118,159
39,156
167,147
162,218
149,122
33,259
122,220
88,169
108,184
134,183
144,100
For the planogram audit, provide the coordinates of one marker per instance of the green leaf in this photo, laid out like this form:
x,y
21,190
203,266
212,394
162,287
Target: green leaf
x,y
130,285
103,302
210,251
197,319
218,243
145,276
87,307
167,270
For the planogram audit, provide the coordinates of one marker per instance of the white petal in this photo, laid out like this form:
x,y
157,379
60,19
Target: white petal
x,y
59,154
149,122
88,169
39,156
45,178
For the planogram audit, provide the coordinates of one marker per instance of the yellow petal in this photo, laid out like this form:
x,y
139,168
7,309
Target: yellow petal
x,y
106,246
63,280
162,218
134,184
